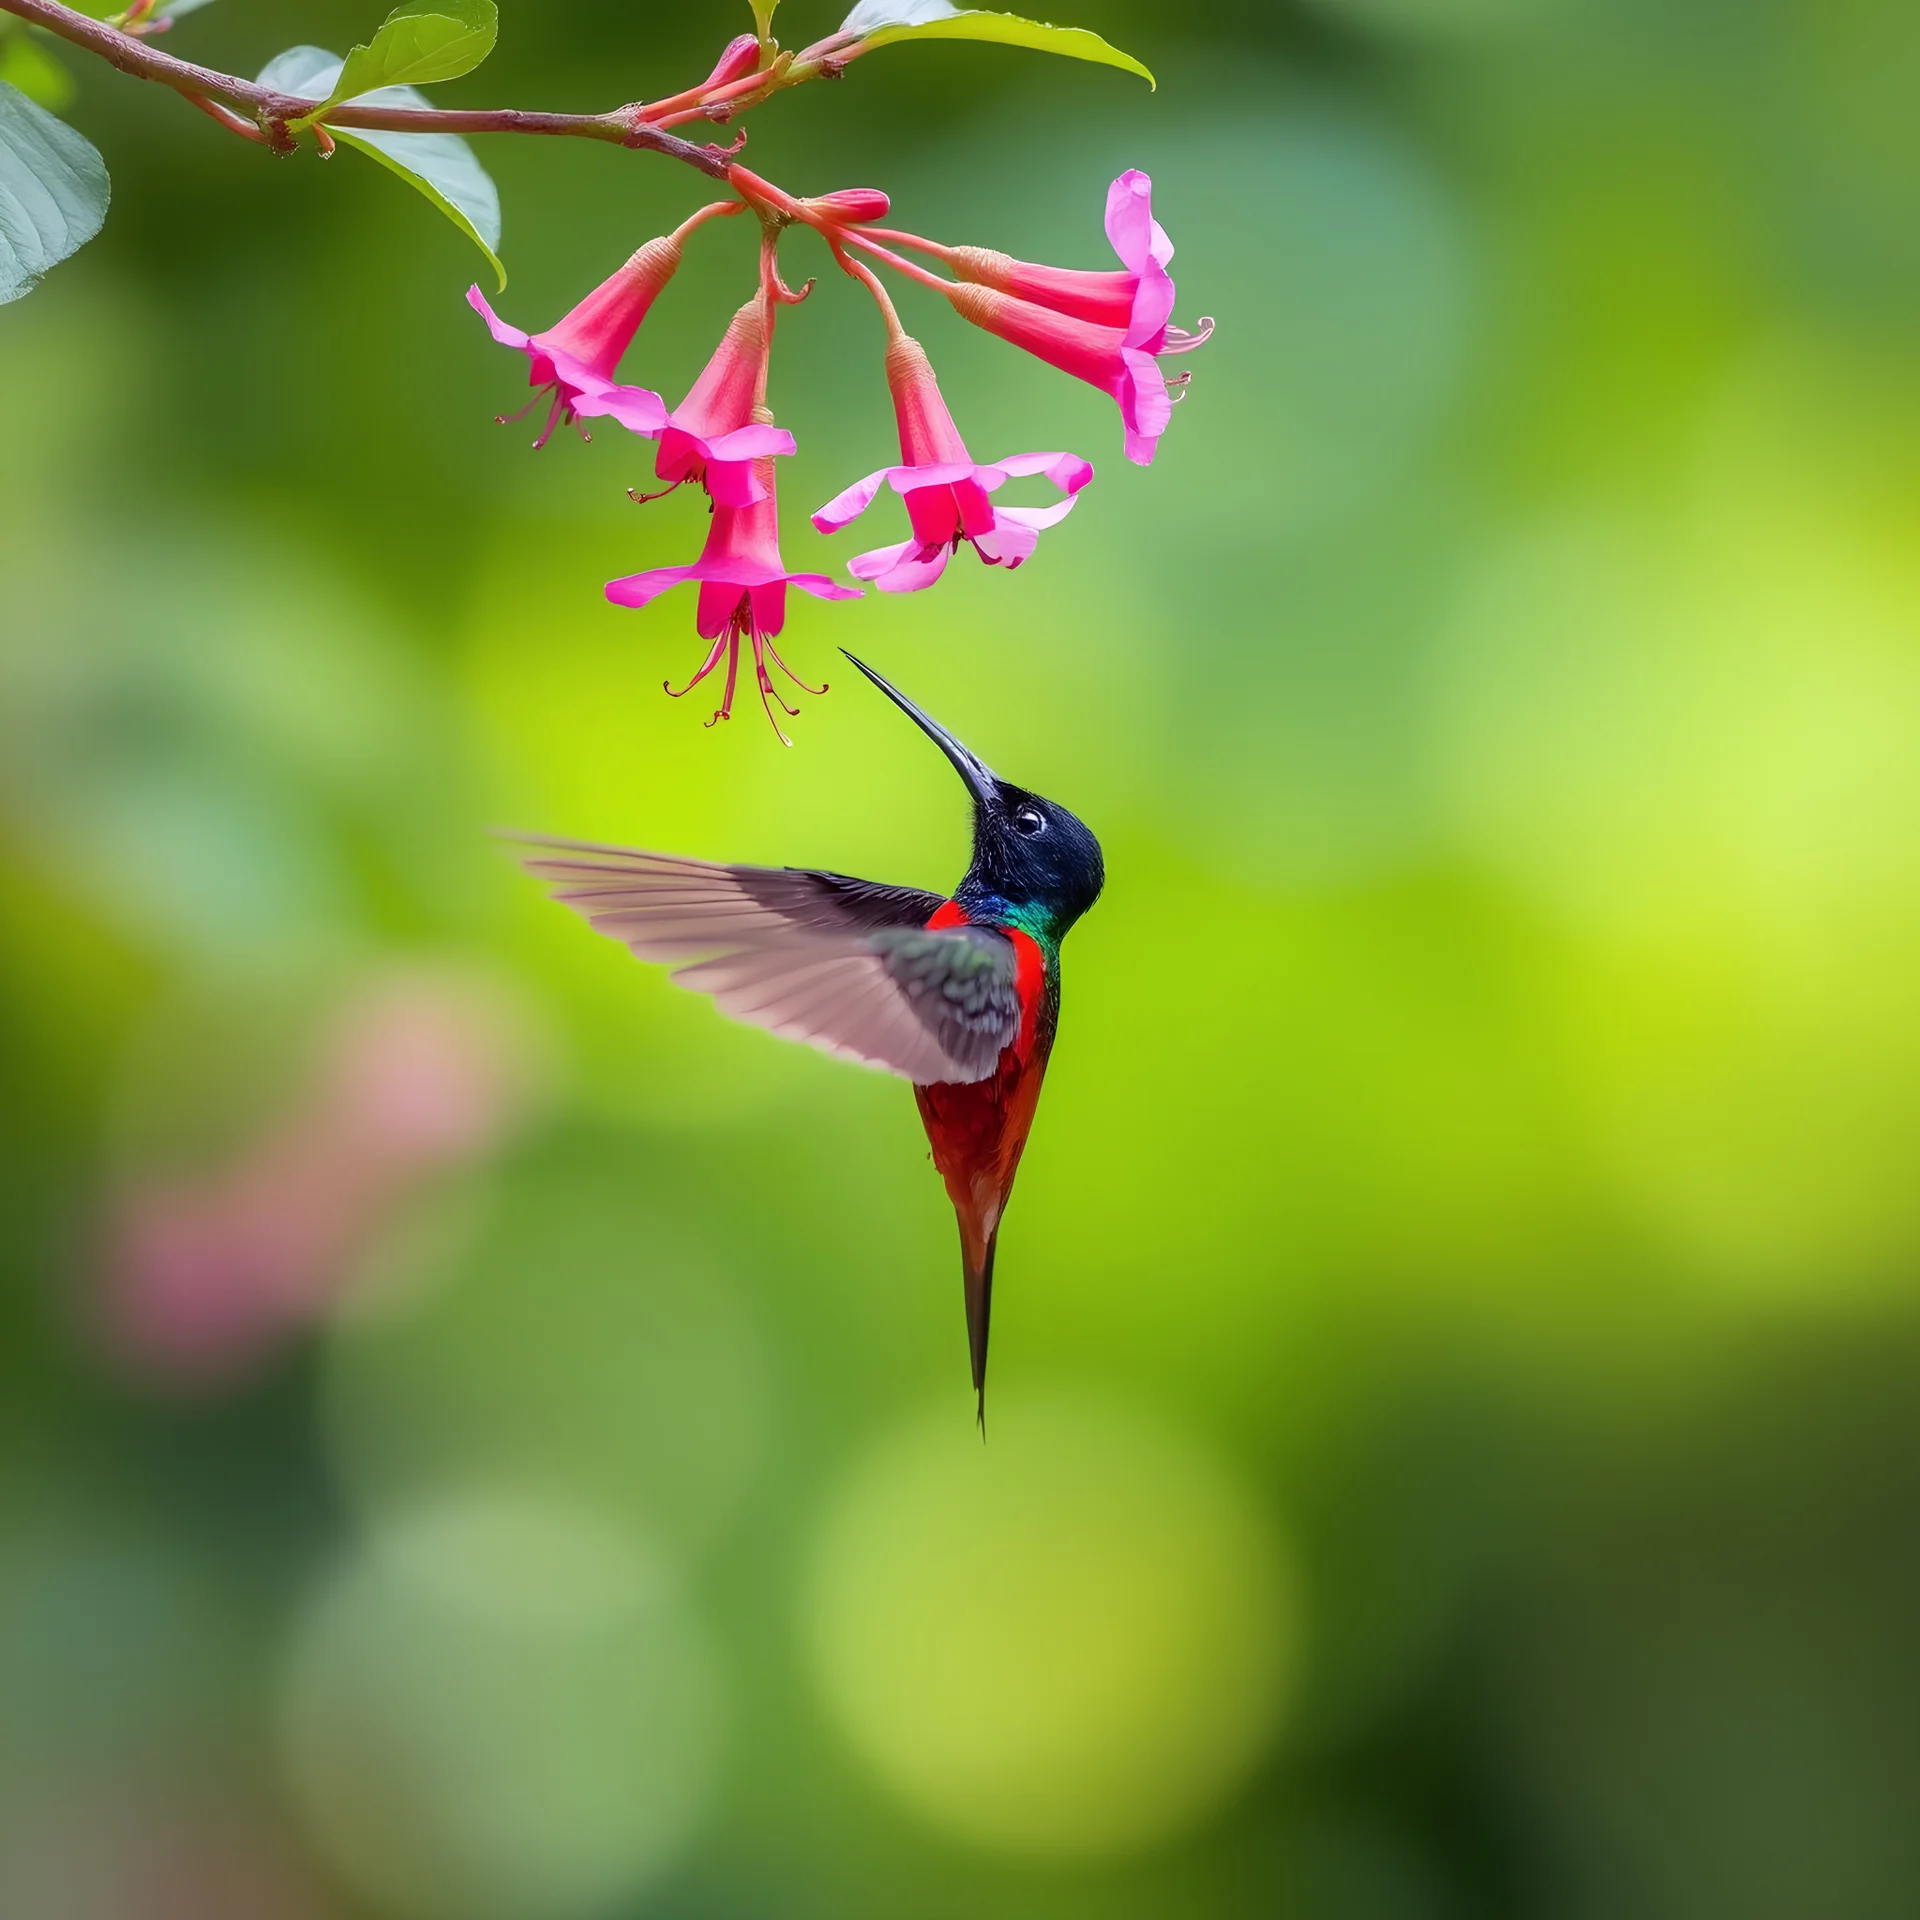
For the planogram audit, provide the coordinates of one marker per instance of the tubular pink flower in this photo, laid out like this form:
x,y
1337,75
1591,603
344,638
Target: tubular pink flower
x,y
743,595
716,435
1137,300
575,358
945,492
1100,355
1130,376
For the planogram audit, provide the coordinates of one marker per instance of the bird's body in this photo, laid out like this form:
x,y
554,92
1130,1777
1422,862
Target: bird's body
x,y
961,996
978,1128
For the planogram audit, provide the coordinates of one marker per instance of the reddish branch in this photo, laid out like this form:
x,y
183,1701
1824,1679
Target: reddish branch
x,y
263,114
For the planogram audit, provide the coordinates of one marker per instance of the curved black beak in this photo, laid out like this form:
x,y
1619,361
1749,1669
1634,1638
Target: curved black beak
x,y
968,764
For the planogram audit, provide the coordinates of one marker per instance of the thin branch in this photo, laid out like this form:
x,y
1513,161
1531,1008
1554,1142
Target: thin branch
x,y
228,119
274,113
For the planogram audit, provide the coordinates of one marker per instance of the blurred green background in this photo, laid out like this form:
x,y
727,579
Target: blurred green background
x,y
483,1439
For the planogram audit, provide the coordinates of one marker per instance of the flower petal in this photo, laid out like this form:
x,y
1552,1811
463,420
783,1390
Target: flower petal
x,y
821,587
749,443
1152,309
1130,221
636,408
846,507
914,567
506,335
1038,518
733,483
769,601
934,513
1145,406
735,570
1067,471
1009,543
934,473
568,370
975,509
720,600
870,566
637,589
1142,244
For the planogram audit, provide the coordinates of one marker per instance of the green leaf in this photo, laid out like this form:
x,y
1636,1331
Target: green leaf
x,y
880,22
443,168
440,166
53,192
763,16
26,64
308,72
420,41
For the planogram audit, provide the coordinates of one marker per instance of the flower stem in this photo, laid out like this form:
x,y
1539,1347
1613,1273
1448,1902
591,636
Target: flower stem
x,y
871,281
713,210
918,242
908,267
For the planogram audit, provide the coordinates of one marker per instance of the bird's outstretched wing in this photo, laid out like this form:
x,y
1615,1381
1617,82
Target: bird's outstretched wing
x,y
846,965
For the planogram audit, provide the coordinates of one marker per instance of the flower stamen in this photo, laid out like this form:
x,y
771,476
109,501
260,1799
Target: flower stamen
x,y
509,419
712,660
791,675
731,640
1179,340
559,412
641,499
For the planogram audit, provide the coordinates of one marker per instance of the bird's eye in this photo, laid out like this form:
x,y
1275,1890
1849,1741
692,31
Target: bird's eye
x,y
1029,820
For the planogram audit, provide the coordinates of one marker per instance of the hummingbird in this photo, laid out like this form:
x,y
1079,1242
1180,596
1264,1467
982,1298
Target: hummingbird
x,y
960,994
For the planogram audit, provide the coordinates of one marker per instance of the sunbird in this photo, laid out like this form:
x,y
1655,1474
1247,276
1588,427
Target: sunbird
x,y
961,996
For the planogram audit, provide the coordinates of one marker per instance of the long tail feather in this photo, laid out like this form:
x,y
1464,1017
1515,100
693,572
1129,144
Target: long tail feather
x,y
976,1264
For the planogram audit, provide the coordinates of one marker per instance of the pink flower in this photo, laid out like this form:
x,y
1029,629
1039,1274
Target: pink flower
x,y
743,591
575,358
740,57
946,493
1104,328
1138,300
713,435
1128,375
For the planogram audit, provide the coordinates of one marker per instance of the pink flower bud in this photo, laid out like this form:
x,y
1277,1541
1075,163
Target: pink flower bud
x,y
741,57
853,204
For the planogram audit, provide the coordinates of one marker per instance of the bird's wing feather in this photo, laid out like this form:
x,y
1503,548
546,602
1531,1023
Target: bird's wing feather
x,y
846,965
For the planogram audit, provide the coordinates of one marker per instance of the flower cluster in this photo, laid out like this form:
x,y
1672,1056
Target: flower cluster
x,y
1109,328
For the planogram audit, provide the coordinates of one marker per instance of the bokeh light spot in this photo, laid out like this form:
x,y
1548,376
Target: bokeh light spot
x,y
1069,1644
500,1707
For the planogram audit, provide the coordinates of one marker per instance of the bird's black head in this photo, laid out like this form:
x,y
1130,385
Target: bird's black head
x,y
1030,857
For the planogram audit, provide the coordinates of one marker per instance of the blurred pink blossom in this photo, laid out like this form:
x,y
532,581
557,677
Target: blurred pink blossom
x,y
206,1274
